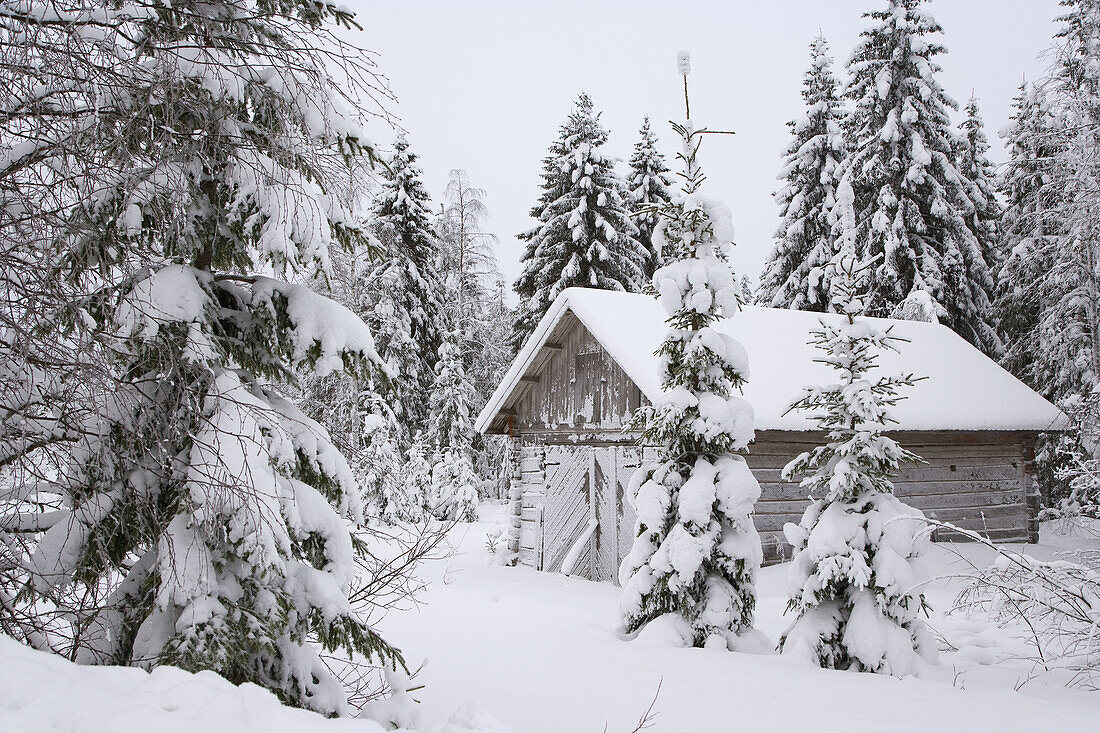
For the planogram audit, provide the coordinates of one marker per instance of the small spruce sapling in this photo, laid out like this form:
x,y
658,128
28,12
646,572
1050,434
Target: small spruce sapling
x,y
857,548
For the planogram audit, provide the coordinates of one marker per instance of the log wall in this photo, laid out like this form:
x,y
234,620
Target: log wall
x,y
976,480
573,460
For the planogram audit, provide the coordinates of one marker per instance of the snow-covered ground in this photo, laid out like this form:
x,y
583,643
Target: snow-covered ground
x,y
541,654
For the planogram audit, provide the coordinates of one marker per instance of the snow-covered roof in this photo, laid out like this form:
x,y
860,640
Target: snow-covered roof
x,y
963,389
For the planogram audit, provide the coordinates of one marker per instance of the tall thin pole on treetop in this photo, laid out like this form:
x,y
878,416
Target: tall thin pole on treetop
x,y
693,177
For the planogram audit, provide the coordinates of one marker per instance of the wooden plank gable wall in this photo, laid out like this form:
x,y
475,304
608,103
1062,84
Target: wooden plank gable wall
x,y
573,464
575,386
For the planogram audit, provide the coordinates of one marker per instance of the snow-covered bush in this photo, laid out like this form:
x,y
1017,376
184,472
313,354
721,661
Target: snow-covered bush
x,y
856,563
696,550
497,544
1053,606
454,487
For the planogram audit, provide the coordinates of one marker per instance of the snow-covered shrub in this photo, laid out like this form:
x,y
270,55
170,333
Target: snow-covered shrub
x,y
1054,607
696,550
454,487
498,545
397,710
857,549
494,536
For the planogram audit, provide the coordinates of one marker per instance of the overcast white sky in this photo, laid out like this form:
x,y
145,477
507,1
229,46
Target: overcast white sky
x,y
485,85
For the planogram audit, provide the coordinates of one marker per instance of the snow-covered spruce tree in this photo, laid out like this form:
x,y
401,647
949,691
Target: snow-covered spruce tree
x,y
1031,229
585,237
454,487
793,274
910,198
977,170
417,474
205,521
648,187
857,549
450,435
405,288
696,550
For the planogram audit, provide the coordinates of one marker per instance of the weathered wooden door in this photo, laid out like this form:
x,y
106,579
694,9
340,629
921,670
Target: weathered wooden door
x,y
612,470
583,484
604,482
629,459
566,506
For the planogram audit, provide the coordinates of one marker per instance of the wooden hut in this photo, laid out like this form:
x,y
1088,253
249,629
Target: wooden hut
x,y
590,363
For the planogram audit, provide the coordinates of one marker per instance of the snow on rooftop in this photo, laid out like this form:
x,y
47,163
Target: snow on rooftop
x,y
963,390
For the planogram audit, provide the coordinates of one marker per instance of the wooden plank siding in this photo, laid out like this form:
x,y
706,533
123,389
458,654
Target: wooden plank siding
x,y
568,423
975,480
579,386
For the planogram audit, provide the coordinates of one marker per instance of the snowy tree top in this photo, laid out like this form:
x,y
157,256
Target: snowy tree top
x,y
683,63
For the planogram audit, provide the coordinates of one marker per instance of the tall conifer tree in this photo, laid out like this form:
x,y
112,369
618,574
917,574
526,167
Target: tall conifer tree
x,y
910,198
1069,357
406,289
1031,230
794,276
648,189
585,237
984,218
696,550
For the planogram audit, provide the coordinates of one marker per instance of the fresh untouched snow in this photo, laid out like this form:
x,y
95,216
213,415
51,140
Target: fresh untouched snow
x,y
541,652
44,693
962,388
